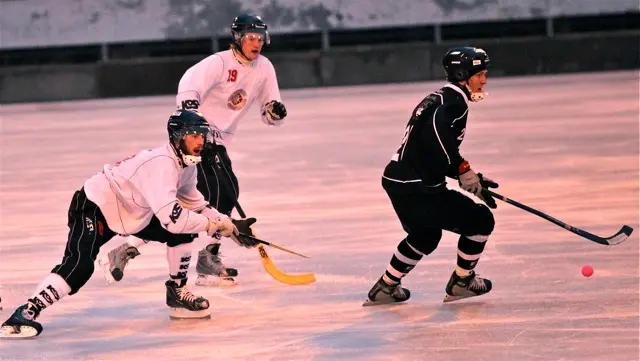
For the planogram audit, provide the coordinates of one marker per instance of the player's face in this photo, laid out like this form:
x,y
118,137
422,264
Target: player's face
x,y
478,81
194,143
252,45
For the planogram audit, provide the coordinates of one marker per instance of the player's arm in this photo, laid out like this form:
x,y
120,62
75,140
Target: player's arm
x,y
272,109
198,81
156,181
189,195
440,126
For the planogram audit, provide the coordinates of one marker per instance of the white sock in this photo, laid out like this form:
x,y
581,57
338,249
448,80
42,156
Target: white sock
x,y
462,272
179,258
50,291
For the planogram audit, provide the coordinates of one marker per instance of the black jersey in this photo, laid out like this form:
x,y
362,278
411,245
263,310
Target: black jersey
x,y
429,150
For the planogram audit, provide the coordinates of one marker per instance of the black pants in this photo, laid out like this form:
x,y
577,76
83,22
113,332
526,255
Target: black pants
x,y
88,231
217,182
425,216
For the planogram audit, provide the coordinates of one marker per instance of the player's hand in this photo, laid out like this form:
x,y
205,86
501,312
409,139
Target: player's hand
x,y
487,183
273,112
470,182
223,224
244,228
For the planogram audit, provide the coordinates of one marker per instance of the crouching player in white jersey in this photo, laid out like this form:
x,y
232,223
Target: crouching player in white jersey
x,y
143,195
223,87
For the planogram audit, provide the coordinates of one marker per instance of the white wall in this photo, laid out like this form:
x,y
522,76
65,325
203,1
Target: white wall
x,y
31,23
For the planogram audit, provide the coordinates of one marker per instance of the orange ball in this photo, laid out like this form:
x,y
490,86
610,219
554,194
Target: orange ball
x,y
587,270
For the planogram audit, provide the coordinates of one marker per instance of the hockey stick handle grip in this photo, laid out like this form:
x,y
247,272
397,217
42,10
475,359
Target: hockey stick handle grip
x,y
274,245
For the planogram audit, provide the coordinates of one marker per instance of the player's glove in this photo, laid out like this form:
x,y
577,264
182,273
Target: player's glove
x,y
473,182
273,112
484,195
218,223
468,179
244,228
208,153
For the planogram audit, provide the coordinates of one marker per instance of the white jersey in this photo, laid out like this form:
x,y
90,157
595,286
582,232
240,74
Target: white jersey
x,y
223,88
152,182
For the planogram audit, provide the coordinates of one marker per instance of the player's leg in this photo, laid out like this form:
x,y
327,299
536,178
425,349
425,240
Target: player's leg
x,y
180,300
219,185
88,231
474,222
422,239
115,260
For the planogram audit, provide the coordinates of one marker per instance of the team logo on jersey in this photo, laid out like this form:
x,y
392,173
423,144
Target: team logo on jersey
x,y
237,100
175,213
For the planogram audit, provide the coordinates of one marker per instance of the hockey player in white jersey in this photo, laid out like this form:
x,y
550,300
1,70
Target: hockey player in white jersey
x,y
151,195
223,87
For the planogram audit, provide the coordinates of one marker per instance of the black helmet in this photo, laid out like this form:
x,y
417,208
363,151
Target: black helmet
x,y
181,123
245,23
464,62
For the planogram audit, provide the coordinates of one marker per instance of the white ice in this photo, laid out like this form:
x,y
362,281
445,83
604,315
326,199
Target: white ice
x,y
566,145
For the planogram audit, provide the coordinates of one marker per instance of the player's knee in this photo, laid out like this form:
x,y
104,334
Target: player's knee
x,y
180,239
484,222
425,241
78,275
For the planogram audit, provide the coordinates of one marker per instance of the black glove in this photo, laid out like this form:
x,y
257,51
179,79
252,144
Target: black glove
x,y
279,110
244,227
208,153
275,110
484,195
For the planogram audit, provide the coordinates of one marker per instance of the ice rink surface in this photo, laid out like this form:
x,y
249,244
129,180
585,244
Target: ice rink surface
x,y
566,145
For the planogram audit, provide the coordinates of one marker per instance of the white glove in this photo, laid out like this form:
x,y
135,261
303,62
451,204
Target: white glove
x,y
470,182
218,222
222,224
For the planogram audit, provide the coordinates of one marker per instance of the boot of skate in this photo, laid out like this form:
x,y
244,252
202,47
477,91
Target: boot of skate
x,y
211,270
464,287
183,303
382,293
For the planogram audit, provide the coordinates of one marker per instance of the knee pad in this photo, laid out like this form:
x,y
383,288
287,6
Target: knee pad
x,y
180,239
483,222
425,241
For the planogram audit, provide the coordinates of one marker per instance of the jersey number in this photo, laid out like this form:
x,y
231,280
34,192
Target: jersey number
x,y
405,138
233,75
461,136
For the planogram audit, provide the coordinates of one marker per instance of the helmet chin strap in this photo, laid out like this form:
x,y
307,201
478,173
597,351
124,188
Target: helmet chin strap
x,y
239,54
187,160
191,160
476,96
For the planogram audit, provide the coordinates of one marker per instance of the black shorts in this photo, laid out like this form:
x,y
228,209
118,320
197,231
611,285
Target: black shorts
x,y
446,210
217,182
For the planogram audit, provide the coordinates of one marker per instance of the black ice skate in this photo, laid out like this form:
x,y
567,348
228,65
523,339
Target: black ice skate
x,y
116,260
183,303
470,286
382,293
211,270
22,323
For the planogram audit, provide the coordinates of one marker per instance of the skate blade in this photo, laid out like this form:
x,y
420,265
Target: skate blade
x,y
106,272
24,332
449,298
368,302
182,314
215,281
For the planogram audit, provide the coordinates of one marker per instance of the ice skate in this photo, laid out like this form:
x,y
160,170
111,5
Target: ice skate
x,y
211,270
116,260
470,286
22,323
382,293
183,303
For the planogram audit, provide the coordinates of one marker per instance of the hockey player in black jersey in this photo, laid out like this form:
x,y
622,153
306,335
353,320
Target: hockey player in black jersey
x,y
415,181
